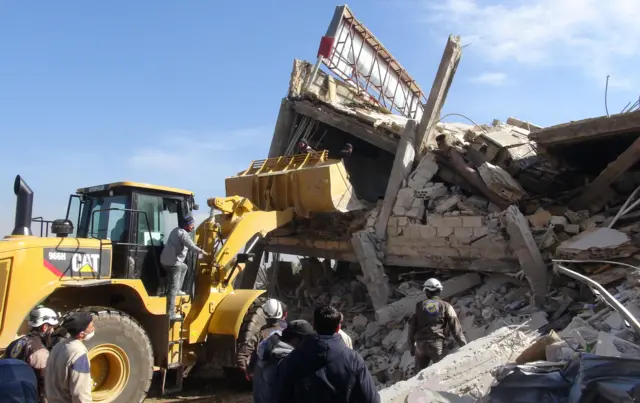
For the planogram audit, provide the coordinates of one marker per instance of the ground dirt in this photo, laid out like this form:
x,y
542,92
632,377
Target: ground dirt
x,y
204,391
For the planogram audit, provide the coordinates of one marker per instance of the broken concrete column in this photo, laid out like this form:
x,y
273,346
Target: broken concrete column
x,y
402,165
282,131
438,94
525,248
407,305
375,278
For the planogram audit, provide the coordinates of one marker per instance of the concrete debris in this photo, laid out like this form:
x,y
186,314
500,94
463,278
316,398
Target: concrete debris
x,y
465,372
424,172
360,323
598,243
484,208
406,306
374,276
499,180
528,254
540,219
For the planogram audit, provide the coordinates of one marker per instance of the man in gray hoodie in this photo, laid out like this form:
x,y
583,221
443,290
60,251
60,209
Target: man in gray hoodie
x,y
271,352
172,259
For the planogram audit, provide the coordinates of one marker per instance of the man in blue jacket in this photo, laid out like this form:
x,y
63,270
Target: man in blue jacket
x,y
270,354
322,369
18,382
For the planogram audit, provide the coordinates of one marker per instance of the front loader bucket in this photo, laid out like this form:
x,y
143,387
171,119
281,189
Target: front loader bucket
x,y
307,182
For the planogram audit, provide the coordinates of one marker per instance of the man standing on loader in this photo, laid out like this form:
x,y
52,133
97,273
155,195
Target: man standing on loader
x,y
172,259
33,348
432,319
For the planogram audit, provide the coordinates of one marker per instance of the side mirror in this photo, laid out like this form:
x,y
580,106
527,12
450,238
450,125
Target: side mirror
x,y
195,206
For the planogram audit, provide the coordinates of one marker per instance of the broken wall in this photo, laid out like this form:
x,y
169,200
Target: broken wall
x,y
434,225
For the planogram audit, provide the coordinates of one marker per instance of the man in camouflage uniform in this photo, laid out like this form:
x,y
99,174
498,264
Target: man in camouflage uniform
x,y
33,348
432,320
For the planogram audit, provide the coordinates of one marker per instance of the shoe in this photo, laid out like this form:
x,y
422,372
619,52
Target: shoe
x,y
181,293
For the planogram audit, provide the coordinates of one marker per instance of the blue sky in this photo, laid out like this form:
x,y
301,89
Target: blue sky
x,y
187,93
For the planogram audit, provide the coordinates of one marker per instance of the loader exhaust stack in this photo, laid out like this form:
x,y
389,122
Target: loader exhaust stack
x,y
24,207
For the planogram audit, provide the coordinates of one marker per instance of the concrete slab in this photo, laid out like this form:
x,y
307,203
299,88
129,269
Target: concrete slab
x,y
467,371
600,242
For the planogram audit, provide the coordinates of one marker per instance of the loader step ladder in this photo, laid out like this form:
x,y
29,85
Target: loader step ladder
x,y
173,373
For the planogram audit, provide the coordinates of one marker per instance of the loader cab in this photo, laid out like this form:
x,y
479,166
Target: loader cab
x,y
137,219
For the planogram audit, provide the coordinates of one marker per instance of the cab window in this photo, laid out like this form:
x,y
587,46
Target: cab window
x,y
107,218
157,218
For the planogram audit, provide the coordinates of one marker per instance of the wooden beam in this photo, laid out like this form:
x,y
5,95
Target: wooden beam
x,y
438,94
347,124
601,185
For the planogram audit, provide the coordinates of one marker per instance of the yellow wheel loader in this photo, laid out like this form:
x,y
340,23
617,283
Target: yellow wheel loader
x,y
105,259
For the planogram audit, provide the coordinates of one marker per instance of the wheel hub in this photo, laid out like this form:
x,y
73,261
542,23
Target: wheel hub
x,y
110,370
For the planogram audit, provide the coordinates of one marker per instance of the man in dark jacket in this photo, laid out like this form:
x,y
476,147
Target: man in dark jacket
x,y
432,320
270,354
322,369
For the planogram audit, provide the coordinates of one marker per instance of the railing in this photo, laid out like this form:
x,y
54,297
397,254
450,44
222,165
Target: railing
x,y
45,226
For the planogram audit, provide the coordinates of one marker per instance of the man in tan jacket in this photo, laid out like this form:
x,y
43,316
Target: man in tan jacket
x,y
67,376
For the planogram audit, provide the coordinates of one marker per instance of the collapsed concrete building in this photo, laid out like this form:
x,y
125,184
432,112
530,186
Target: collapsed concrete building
x,y
489,209
413,221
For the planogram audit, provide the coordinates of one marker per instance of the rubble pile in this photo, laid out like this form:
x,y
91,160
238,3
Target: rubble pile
x,y
490,307
494,304
499,213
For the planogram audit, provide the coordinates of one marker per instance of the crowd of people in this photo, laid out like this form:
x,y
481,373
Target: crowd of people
x,y
50,364
287,361
301,362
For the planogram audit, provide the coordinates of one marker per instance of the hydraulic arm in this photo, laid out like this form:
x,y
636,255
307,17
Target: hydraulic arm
x,y
240,223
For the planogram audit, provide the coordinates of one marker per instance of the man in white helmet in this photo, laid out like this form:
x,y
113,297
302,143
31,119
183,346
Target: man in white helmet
x,y
33,348
275,314
432,320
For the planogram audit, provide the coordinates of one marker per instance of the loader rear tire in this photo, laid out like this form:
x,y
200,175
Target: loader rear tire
x,y
121,357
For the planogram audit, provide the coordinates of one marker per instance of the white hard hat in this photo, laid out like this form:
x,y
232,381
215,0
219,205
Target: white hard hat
x,y
42,315
273,309
432,285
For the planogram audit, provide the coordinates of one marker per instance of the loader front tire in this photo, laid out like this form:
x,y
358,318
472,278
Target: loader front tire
x,y
252,322
121,357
